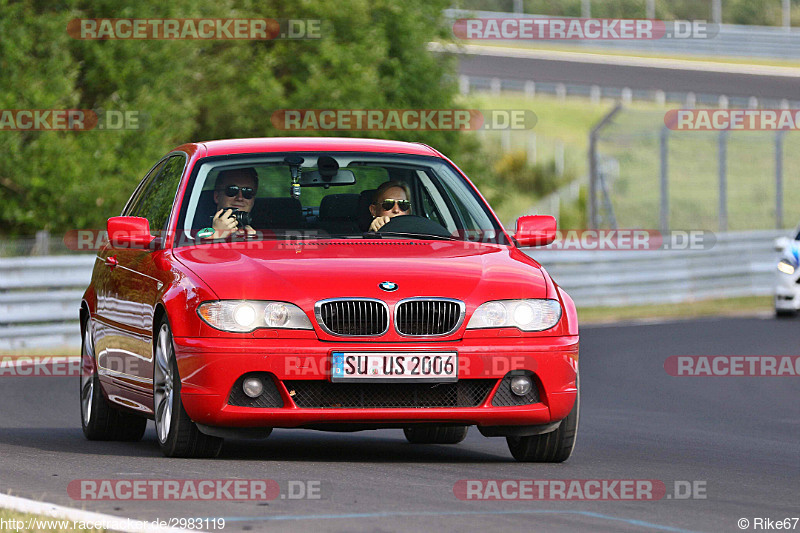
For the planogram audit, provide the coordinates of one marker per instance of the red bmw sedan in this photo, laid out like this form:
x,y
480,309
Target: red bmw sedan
x,y
330,284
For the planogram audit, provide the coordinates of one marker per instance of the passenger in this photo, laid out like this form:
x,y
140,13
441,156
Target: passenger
x,y
234,190
391,199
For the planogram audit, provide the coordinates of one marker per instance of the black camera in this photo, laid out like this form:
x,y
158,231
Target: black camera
x,y
243,218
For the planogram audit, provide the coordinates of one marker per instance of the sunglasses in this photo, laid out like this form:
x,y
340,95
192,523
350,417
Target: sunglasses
x,y
388,204
232,190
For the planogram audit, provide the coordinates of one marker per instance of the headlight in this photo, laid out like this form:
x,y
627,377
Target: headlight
x,y
785,267
527,315
243,316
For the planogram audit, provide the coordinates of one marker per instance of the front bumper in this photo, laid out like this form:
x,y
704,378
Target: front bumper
x,y
209,368
787,292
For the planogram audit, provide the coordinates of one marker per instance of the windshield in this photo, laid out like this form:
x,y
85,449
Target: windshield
x,y
323,195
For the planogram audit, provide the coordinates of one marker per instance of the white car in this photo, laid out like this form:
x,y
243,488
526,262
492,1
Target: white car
x,y
787,281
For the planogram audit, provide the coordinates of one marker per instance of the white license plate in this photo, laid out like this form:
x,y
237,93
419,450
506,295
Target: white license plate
x,y
394,366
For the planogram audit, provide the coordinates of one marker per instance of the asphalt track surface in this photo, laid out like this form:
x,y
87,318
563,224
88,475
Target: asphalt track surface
x,y
636,77
739,435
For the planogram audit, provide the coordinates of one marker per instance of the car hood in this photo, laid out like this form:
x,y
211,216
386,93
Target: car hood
x,y
306,272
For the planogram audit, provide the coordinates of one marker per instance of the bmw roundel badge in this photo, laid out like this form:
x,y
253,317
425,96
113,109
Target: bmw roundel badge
x,y
388,286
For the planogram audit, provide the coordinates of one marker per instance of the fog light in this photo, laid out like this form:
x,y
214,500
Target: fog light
x,y
521,385
253,387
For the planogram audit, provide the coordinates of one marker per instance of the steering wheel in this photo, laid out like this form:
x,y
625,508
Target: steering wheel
x,y
414,224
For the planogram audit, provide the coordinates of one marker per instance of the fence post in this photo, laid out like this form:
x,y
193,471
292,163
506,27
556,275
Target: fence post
x,y
559,157
716,11
787,14
531,149
664,219
779,179
505,140
41,245
463,84
594,219
722,156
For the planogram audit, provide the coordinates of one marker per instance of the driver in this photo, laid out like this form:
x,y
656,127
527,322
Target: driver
x,y
234,189
391,199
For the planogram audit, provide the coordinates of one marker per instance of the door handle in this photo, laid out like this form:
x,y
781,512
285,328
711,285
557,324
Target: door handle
x,y
111,261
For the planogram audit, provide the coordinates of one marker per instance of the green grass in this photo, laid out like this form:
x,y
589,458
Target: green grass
x,y
719,307
633,140
60,351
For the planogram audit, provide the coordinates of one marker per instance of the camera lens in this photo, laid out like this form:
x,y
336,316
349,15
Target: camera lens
x,y
242,218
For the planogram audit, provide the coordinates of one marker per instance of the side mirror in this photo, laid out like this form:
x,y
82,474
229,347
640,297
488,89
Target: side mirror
x,y
535,230
129,232
781,243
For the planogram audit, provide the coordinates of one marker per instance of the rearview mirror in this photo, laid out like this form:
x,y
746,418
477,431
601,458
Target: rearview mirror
x,y
129,232
781,243
312,178
535,230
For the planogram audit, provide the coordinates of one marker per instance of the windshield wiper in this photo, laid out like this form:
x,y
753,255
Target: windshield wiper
x,y
380,235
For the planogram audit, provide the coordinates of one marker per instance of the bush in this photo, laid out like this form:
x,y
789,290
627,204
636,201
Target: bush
x,y
536,180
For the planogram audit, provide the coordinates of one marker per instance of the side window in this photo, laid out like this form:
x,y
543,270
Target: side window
x,y
156,201
136,197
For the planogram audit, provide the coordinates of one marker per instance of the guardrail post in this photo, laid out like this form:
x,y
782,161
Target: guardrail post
x,y
779,179
723,180
664,219
787,15
594,218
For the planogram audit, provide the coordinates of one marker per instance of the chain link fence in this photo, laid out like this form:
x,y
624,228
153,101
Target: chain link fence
x,y
648,176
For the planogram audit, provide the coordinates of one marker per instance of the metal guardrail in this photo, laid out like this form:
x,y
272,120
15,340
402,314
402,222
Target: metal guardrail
x,y
732,40
39,300
39,296
739,264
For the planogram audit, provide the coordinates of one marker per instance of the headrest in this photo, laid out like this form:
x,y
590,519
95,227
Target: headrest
x,y
364,217
204,211
278,213
339,207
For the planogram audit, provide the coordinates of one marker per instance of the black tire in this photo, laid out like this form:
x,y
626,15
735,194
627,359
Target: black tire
x,y
785,313
177,435
99,420
435,434
553,447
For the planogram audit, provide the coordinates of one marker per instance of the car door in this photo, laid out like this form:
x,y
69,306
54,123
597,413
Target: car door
x,y
134,288
107,318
